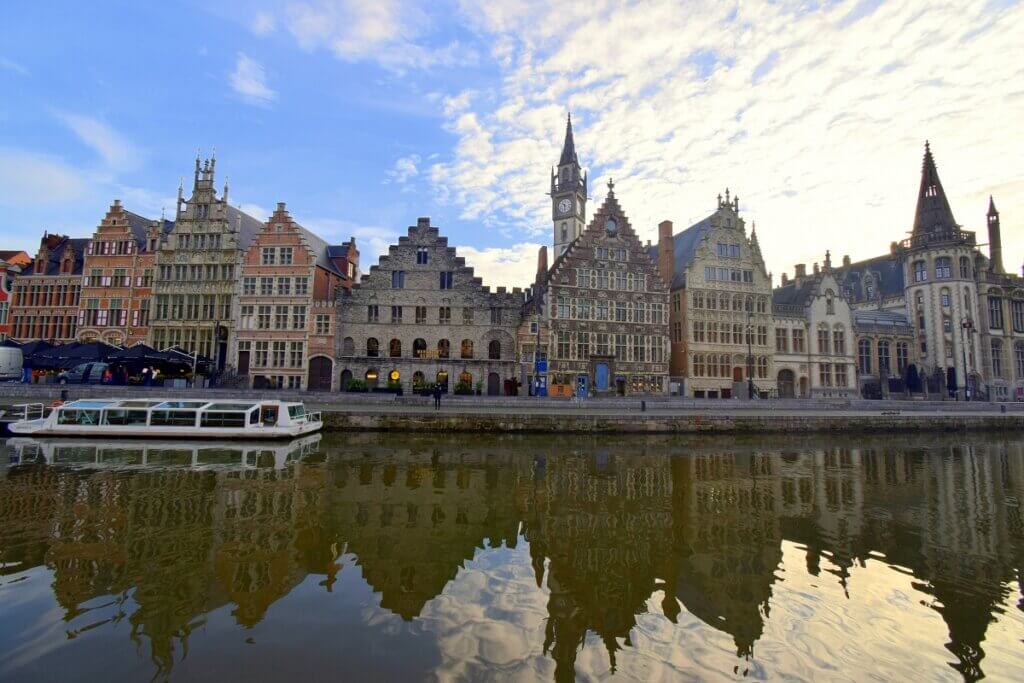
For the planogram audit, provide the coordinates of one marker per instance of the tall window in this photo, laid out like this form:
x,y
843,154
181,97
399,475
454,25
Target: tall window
x,y
395,348
444,315
269,256
943,268
839,341
467,348
995,312
494,350
285,255
421,315
823,345
1017,314
398,279
883,359
798,341
841,380
864,356
920,271
901,356
781,339
997,358
446,279
1018,353
396,315
825,374
965,268
422,254
373,313
372,347
443,348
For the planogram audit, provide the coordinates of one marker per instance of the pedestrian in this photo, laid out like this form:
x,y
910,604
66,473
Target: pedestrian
x,y
147,377
437,396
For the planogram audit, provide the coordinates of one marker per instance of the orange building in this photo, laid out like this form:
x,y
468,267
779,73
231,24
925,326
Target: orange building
x,y
118,276
46,294
286,309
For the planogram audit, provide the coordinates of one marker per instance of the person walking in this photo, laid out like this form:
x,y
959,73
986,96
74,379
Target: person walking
x,y
437,397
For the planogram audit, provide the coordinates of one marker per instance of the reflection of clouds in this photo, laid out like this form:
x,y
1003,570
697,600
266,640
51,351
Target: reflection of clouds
x,y
489,621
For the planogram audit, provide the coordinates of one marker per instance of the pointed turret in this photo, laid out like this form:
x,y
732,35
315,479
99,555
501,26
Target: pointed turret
x,y
995,239
568,195
933,212
569,146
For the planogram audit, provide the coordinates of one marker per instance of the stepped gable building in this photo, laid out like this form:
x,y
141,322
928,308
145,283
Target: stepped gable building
x,y
605,307
720,317
197,270
118,277
814,341
46,294
286,309
420,317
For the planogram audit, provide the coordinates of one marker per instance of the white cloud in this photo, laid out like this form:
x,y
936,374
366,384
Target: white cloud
x,y
826,145
117,153
11,65
388,32
514,266
255,210
35,178
250,81
263,23
405,169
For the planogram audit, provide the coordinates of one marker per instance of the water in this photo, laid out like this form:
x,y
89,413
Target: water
x,y
394,557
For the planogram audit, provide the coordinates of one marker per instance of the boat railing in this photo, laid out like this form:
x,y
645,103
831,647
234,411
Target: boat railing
x,y
31,411
314,417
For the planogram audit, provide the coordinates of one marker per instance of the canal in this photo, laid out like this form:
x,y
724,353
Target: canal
x,y
419,557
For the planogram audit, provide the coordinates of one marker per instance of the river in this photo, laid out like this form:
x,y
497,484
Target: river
x,y
432,557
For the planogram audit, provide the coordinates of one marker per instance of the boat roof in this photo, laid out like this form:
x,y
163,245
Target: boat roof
x,y
227,405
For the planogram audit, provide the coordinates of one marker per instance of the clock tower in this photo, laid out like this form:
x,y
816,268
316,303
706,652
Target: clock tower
x,y
568,195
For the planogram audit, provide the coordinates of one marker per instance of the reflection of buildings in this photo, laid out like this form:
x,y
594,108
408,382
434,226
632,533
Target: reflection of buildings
x,y
609,524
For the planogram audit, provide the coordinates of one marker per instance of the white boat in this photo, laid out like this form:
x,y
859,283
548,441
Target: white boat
x,y
129,454
161,418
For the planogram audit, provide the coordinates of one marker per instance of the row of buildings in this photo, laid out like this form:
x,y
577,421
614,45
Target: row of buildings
x,y
696,313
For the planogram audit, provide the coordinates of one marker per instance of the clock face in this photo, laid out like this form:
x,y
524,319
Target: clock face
x,y
611,226
564,206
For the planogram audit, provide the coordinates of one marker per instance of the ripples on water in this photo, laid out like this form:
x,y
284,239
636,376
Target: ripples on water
x,y
392,557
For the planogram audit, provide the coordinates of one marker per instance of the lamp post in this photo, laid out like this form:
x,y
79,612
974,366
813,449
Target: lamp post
x,y
750,350
967,326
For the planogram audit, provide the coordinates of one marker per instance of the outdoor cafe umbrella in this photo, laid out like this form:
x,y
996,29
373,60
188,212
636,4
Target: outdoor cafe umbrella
x,y
70,355
29,350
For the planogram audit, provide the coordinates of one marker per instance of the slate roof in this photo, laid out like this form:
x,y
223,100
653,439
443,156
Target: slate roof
x,y
569,146
78,245
321,249
684,247
881,317
794,294
933,213
250,227
886,272
139,226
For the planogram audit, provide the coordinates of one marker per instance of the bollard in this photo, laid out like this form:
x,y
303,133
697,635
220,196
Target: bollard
x,y
643,406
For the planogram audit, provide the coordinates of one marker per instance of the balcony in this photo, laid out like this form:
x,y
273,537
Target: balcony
x,y
935,238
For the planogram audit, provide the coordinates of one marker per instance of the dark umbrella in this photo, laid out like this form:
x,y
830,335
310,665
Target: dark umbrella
x,y
75,353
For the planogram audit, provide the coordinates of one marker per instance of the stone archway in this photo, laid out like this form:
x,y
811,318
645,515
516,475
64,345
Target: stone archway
x,y
493,384
787,384
321,369
346,377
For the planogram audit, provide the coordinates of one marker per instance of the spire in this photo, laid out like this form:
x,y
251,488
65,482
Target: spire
x,y
569,147
992,208
933,212
611,188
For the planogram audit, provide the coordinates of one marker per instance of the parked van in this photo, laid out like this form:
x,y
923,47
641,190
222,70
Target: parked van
x,y
10,363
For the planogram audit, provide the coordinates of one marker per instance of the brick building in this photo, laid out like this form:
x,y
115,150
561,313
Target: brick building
x,y
47,293
11,264
420,316
286,308
118,277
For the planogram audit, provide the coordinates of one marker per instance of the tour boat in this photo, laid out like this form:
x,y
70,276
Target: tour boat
x,y
152,418
129,454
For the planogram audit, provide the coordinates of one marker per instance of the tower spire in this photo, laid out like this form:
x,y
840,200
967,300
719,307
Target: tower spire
x,y
569,146
933,212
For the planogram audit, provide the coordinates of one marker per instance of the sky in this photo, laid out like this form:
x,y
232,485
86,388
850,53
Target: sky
x,y
363,116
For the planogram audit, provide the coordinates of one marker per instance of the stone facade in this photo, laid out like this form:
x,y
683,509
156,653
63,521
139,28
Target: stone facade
x,y
47,293
286,314
813,337
606,306
118,278
721,314
197,269
420,317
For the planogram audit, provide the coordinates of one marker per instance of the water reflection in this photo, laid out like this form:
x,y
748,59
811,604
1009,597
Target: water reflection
x,y
531,556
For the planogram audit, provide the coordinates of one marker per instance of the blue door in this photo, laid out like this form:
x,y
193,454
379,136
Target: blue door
x,y
581,386
601,377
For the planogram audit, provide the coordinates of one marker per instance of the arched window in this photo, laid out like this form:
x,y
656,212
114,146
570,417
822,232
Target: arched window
x,y
965,268
494,350
698,365
920,271
883,359
443,348
395,348
830,303
943,268
1018,353
467,348
944,298
762,367
418,347
723,366
902,356
372,347
417,379
997,358
839,340
864,356
565,232
737,303
348,347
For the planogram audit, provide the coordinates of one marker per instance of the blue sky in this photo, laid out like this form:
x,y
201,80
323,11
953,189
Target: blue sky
x,y
363,116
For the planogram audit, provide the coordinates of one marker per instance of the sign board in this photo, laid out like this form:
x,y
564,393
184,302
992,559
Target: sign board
x,y
542,366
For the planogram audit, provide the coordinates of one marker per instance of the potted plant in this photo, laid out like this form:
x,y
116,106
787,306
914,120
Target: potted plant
x,y
479,387
357,386
464,389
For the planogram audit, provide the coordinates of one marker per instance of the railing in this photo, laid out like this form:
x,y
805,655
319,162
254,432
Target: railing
x,y
31,411
939,237
787,309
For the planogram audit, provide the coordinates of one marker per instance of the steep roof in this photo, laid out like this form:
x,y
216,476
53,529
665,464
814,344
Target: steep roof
x,y
794,293
139,226
684,247
78,246
249,227
569,146
321,249
886,274
933,213
884,318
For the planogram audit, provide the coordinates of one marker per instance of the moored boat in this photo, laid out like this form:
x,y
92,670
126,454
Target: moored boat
x,y
152,418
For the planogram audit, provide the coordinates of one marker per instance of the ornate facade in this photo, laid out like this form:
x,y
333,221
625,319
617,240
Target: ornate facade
x,y
421,316
47,292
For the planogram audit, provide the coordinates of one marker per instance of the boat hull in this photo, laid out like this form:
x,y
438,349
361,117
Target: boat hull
x,y
39,428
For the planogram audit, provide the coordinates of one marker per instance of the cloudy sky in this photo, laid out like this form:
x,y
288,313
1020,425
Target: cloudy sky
x,y
363,116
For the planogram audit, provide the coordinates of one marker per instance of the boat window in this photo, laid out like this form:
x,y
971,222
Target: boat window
x,y
221,419
182,404
124,417
231,406
139,404
173,418
295,412
78,417
269,416
254,417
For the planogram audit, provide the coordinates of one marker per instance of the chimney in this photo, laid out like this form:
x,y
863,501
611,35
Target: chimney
x,y
117,202
785,279
542,263
799,271
280,207
846,260
894,247
816,269
995,239
666,253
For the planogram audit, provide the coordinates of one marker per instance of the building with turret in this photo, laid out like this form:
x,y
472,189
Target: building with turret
x,y
568,195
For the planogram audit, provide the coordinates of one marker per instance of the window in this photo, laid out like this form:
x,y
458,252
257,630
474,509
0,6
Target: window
x,y
419,348
446,279
920,271
277,351
266,286
261,355
902,357
173,418
421,315
947,325
830,305
285,255
443,348
883,359
373,313
395,348
1017,314
467,348
965,268
322,324
422,255
249,286
301,286
248,317
269,256
398,279
1018,353
296,355
864,356
997,358
798,341
839,341
781,339
263,318
298,317
280,317
444,315
995,312
841,380
372,347
494,350
943,268
823,340
944,298
396,315
284,286
496,315
698,365
825,374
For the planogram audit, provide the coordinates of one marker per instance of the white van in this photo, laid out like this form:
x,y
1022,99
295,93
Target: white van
x,y
10,363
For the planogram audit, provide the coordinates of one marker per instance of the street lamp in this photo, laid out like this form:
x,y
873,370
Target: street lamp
x,y
750,350
967,326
